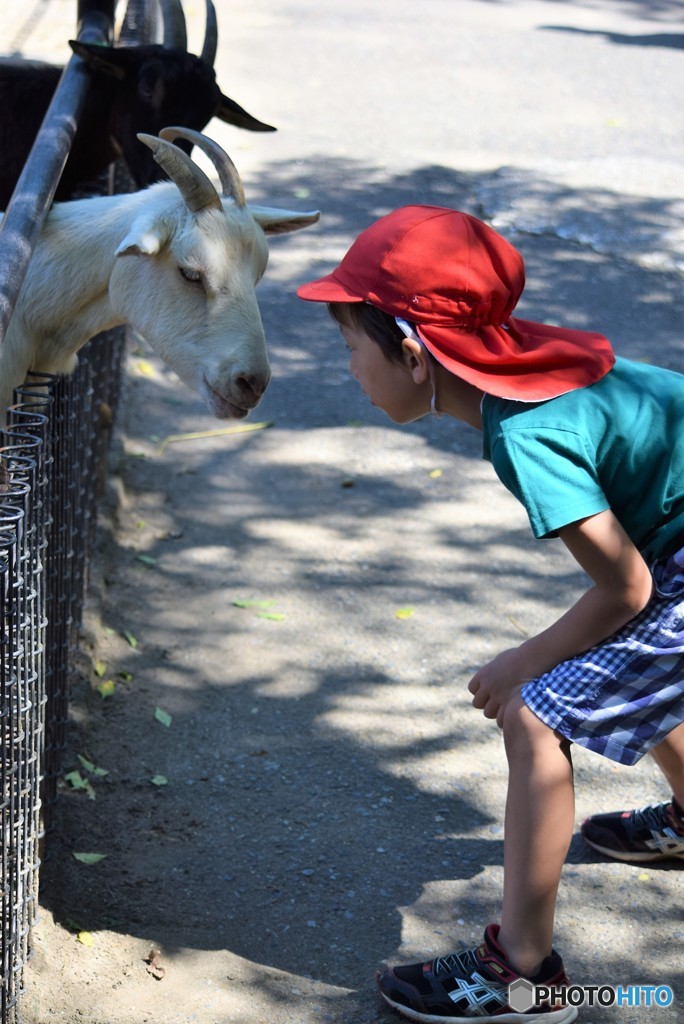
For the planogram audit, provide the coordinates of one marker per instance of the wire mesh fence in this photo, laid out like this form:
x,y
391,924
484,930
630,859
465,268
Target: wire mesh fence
x,y
52,453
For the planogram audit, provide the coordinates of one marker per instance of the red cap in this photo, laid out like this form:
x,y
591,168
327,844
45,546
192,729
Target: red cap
x,y
459,281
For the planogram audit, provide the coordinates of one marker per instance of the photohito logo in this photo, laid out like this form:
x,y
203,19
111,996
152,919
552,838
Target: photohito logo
x,y
524,996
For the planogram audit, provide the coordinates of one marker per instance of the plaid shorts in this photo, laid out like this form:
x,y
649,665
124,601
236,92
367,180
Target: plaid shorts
x,y
623,696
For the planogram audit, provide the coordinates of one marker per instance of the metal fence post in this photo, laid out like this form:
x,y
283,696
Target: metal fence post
x,y
25,527
38,181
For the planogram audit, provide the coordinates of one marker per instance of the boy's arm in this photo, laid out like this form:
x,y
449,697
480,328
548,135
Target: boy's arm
x,y
622,586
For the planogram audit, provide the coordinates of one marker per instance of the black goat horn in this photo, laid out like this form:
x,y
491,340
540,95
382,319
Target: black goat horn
x,y
175,30
210,44
193,184
232,113
225,168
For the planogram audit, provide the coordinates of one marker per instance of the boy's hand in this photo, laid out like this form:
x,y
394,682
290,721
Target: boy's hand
x,y
496,682
622,586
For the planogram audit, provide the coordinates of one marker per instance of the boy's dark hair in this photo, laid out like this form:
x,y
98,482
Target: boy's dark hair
x,y
380,326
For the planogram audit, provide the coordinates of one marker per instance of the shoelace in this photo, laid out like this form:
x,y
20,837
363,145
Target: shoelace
x,y
657,817
447,964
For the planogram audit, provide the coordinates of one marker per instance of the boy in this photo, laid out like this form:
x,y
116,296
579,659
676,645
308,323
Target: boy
x,y
591,445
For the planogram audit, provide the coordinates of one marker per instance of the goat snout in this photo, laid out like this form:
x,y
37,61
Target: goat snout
x,y
235,397
251,387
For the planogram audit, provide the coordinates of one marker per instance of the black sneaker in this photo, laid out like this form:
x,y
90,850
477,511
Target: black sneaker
x,y
651,833
471,985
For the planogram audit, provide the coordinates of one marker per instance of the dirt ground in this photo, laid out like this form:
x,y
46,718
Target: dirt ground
x,y
321,796
281,781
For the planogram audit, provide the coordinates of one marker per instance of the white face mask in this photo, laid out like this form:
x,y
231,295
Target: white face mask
x,y
408,331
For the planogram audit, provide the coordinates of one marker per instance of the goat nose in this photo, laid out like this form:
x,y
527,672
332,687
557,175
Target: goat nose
x,y
251,387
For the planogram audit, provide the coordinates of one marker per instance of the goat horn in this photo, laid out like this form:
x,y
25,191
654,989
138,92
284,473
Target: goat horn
x,y
225,168
210,44
193,184
175,31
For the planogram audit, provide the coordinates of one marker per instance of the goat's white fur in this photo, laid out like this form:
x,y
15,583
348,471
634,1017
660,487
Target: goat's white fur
x,y
118,259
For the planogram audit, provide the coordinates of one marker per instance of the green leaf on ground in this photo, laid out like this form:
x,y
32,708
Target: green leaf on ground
x,y
253,604
163,717
404,613
147,560
107,688
76,781
90,858
90,767
159,780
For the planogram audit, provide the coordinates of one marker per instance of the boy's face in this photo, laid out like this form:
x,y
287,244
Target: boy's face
x,y
389,384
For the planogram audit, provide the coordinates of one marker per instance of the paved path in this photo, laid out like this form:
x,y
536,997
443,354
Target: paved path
x,y
350,798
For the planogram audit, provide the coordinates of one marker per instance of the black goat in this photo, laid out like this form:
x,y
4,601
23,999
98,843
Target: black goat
x,y
134,89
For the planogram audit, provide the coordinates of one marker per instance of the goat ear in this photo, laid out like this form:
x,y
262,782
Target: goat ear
x,y
280,222
100,58
140,243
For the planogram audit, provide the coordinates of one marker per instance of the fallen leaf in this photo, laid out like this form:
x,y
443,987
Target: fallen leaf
x,y
159,780
85,938
434,473
273,616
90,767
163,717
76,781
145,369
107,688
146,559
90,858
404,613
99,668
130,638
253,604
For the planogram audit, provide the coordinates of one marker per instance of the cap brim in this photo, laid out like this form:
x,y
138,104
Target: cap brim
x,y
327,289
526,361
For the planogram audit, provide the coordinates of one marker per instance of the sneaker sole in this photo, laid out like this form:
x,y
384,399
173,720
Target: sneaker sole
x,y
563,1016
627,855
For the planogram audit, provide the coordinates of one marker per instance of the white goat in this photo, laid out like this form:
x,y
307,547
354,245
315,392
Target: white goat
x,y
176,261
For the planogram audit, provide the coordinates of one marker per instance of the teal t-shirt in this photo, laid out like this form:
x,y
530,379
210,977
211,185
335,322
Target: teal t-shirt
x,y
617,444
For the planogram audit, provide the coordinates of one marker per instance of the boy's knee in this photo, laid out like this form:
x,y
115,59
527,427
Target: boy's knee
x,y
522,728
515,716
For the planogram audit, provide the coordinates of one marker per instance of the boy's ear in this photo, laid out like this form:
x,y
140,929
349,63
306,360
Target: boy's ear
x,y
417,360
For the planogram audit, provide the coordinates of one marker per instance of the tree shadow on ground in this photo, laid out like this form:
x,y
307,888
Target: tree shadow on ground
x,y
664,40
325,773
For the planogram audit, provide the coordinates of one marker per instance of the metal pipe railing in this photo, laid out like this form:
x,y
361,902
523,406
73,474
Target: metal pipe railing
x,y
33,662
38,181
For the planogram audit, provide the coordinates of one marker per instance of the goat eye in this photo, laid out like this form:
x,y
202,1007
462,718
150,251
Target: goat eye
x,y
189,274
